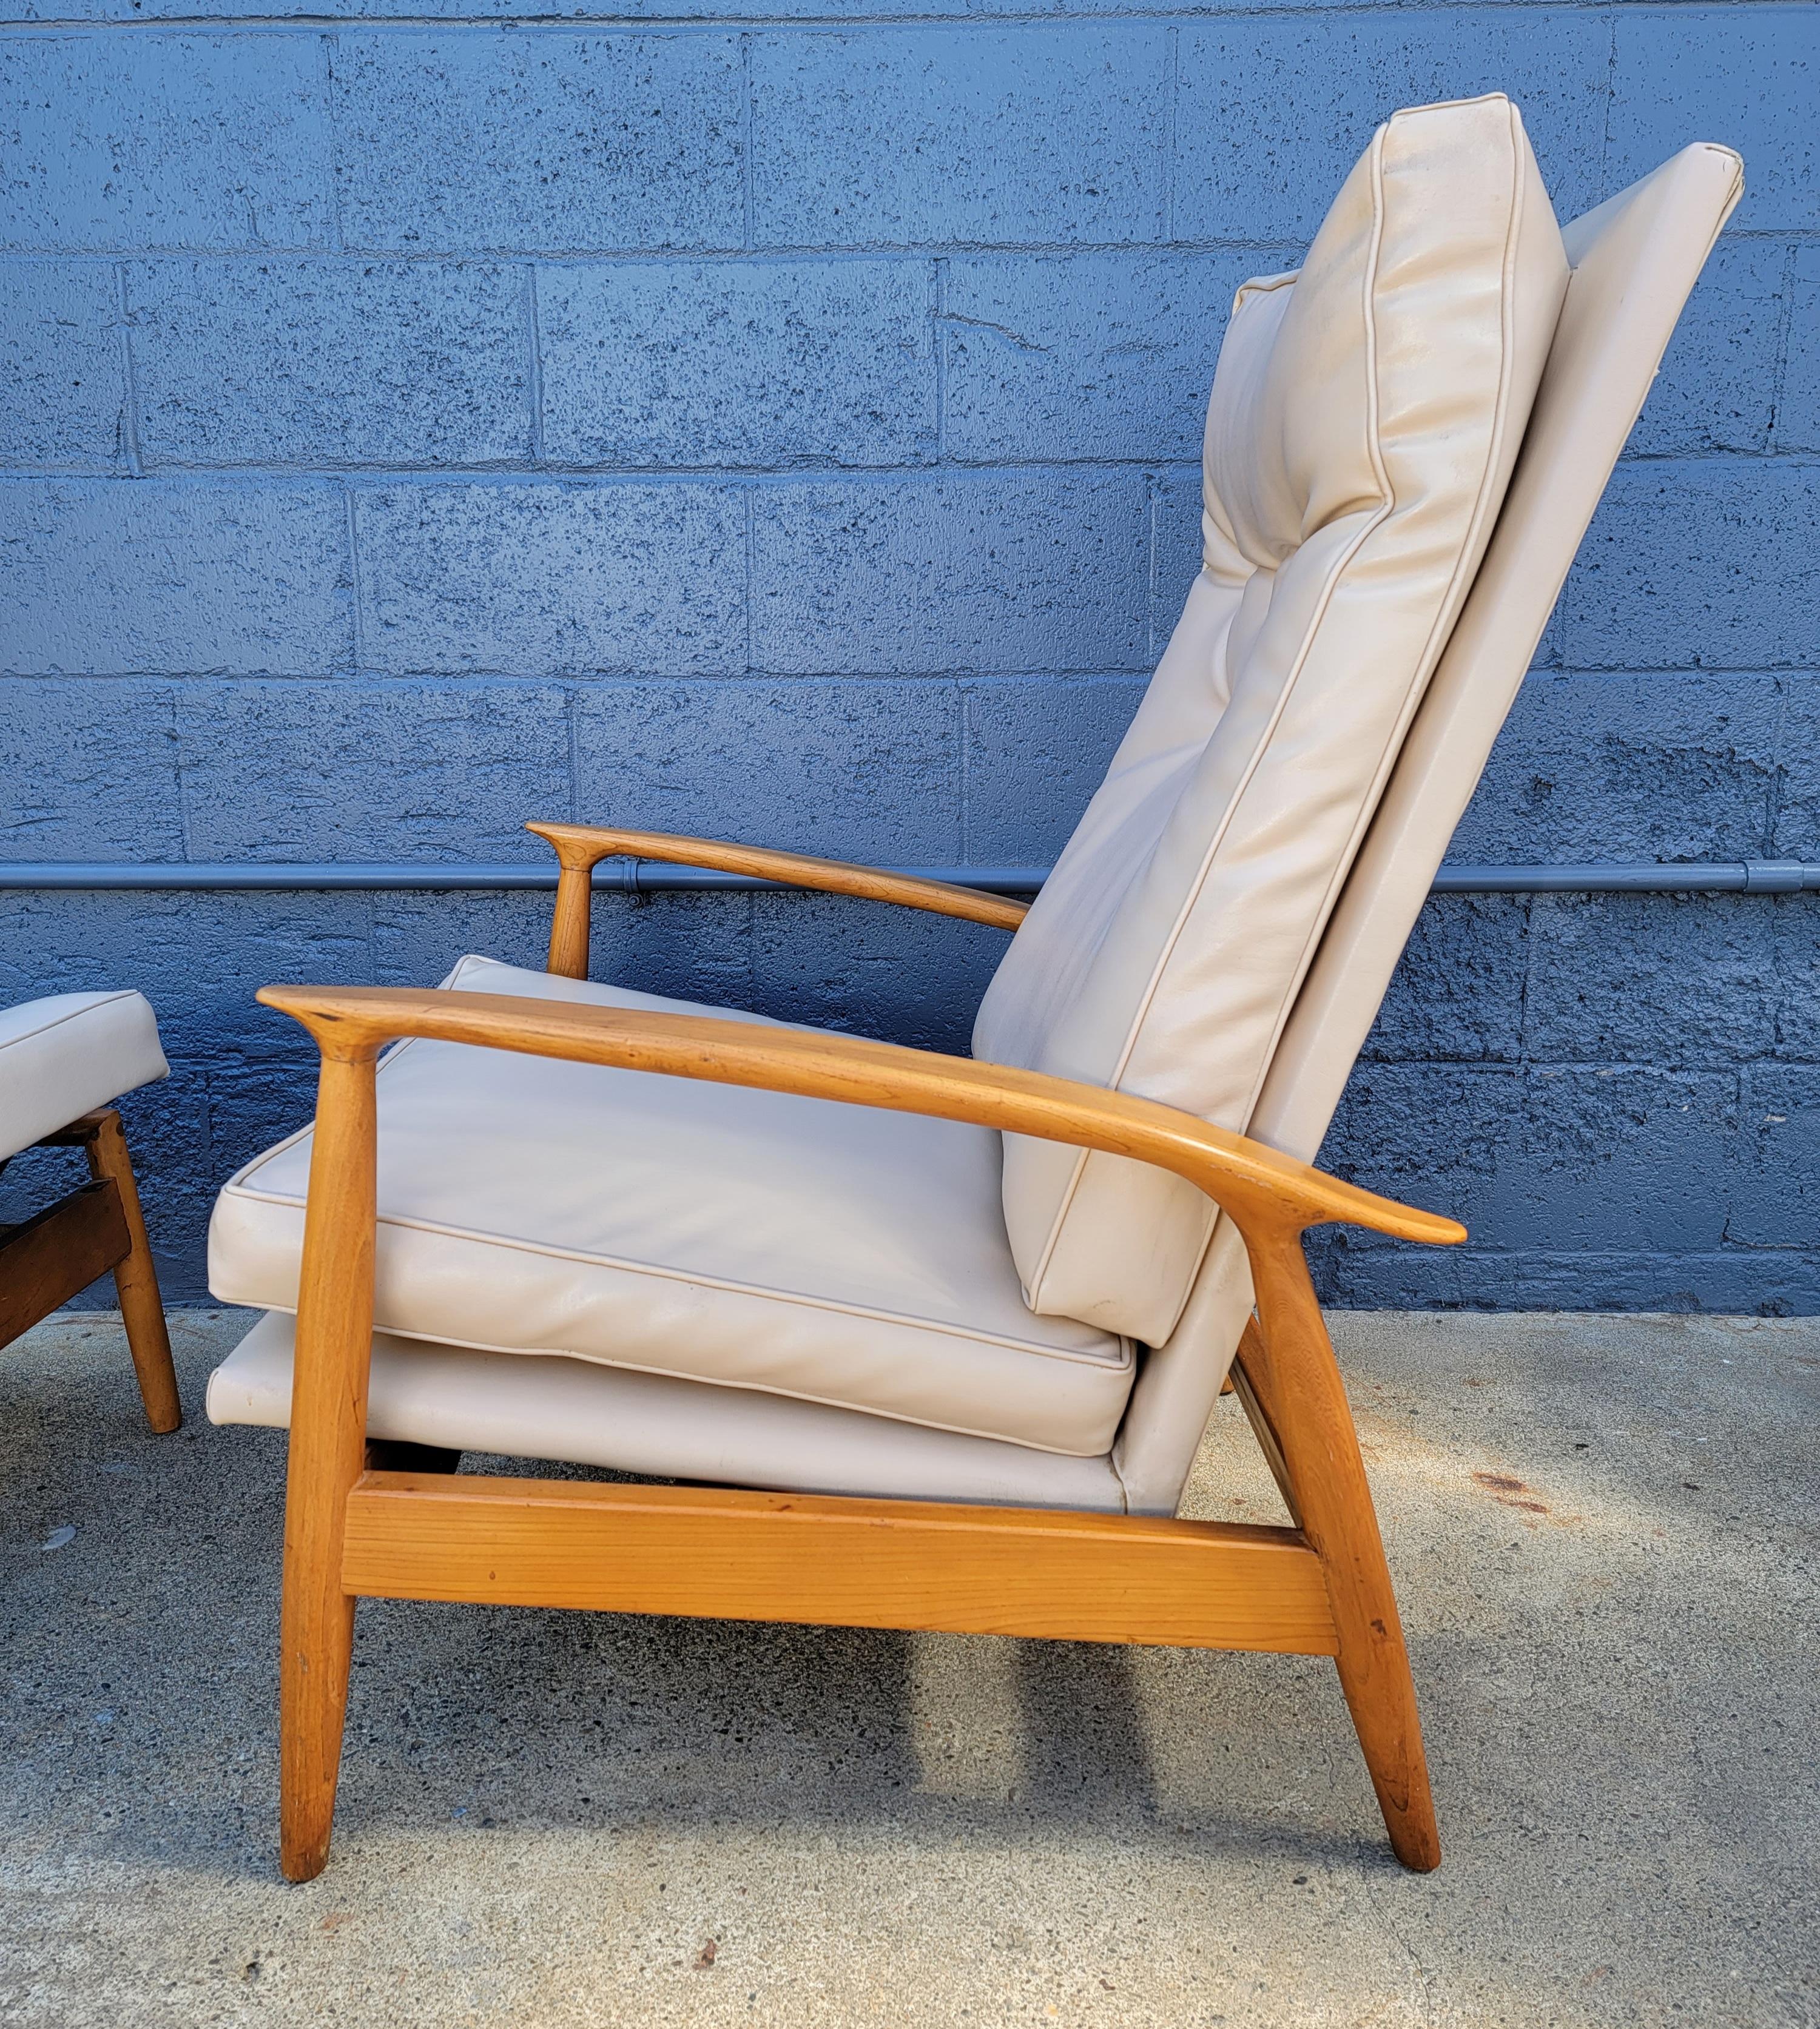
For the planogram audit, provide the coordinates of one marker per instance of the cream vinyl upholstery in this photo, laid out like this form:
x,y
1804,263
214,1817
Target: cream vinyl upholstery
x,y
64,1055
655,1426
830,1252
1366,415
1634,261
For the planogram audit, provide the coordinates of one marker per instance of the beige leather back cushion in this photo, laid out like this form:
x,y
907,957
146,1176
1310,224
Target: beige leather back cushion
x,y
1366,415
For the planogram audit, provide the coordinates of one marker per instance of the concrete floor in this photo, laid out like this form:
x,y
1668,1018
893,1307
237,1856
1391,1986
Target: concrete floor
x,y
1603,1530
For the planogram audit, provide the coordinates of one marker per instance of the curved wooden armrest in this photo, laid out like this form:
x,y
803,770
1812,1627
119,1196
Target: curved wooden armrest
x,y
580,847
1271,1195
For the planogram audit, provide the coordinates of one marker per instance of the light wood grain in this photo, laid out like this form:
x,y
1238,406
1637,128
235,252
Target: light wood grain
x,y
733,1555
328,1454
1288,1363
1256,1184
44,1262
579,848
135,1277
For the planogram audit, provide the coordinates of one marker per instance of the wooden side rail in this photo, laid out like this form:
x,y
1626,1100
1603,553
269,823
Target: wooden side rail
x,y
349,1531
725,1555
1262,1189
579,848
50,1258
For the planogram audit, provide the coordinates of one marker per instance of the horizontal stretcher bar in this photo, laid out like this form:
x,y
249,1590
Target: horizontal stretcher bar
x,y
644,876
728,1554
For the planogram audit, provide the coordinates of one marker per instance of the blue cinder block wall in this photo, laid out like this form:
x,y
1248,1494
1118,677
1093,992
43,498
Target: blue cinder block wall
x,y
783,424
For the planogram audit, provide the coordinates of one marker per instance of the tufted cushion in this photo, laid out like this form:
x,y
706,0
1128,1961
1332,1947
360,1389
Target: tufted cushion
x,y
1366,415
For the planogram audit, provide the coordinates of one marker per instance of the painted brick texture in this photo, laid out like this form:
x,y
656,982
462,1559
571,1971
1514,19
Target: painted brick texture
x,y
783,422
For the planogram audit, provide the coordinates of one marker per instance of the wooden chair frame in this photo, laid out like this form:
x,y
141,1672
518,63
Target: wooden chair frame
x,y
355,1529
52,1256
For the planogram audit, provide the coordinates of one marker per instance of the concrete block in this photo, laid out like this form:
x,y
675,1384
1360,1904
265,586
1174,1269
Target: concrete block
x,y
1036,751
1698,564
1717,389
1624,1157
690,947
1273,112
1360,1272
1457,995
765,363
215,950
116,576
549,144
1083,355
1651,979
1040,133
330,362
62,366
1743,76
1778,1187
1734,1282
88,770
1643,768
850,769
1798,412
1796,827
893,973
197,957
387,771
1794,932
1618,1156
162,141
1431,1134
996,572
544,579
418,938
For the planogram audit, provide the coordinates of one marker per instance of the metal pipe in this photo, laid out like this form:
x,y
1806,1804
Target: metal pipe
x,y
1754,876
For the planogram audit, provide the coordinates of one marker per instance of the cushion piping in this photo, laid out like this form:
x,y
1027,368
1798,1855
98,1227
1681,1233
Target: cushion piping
x,y
1446,614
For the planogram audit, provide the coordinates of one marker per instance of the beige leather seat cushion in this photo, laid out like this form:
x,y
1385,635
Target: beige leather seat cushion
x,y
834,1253
65,1055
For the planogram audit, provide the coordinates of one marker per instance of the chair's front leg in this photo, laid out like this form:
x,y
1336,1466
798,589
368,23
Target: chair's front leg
x,y
1290,1367
135,1279
328,1448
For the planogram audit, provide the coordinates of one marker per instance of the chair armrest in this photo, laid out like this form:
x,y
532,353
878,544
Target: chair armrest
x,y
1270,1195
579,848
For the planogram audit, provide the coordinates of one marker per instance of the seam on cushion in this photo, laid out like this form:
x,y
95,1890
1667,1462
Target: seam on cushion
x,y
708,1380
1341,564
619,1262
1446,611
71,1014
237,1186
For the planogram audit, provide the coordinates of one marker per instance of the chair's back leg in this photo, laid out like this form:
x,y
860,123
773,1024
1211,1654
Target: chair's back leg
x,y
141,1309
1290,1371
328,1451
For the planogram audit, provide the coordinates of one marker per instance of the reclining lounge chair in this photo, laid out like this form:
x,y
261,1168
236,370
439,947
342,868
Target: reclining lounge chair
x,y
932,1342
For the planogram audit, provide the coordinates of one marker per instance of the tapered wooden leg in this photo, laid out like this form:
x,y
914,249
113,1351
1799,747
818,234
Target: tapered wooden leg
x,y
328,1448
1288,1366
141,1311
